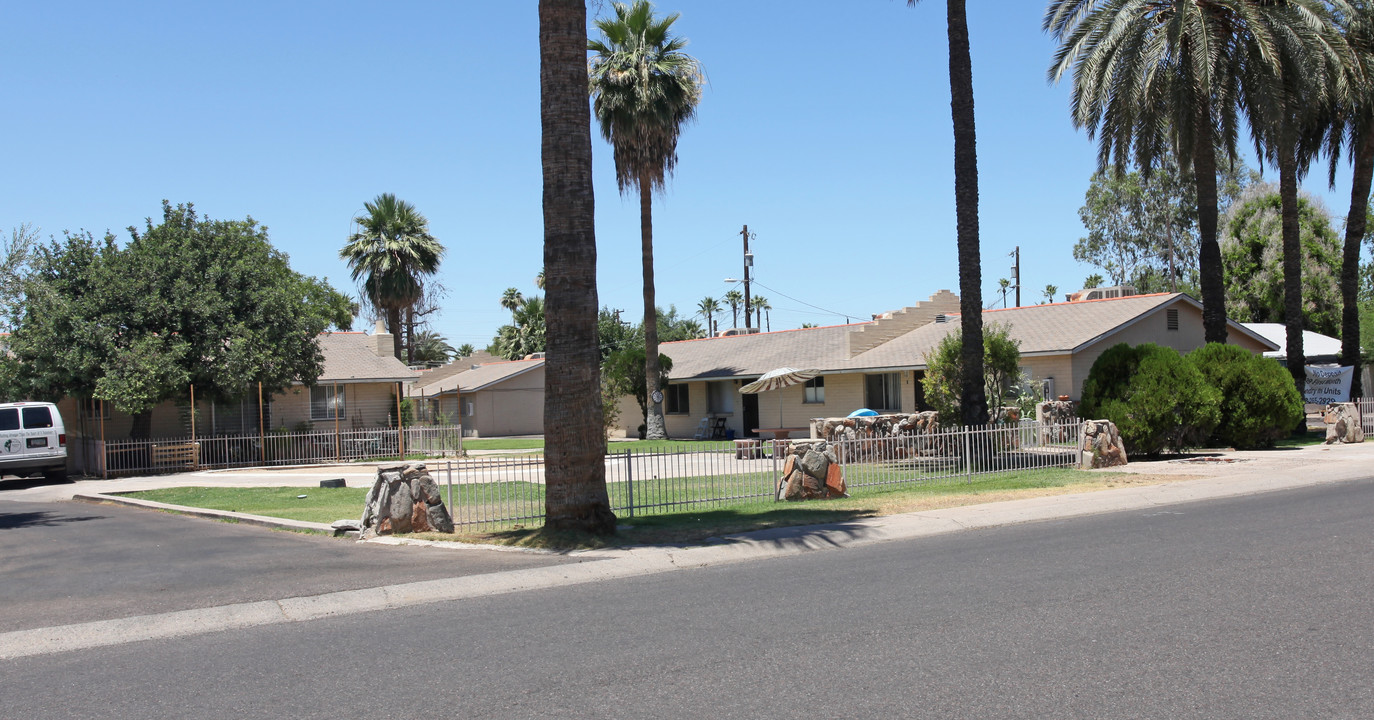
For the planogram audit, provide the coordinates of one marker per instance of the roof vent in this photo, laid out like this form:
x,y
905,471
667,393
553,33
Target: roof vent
x,y
942,318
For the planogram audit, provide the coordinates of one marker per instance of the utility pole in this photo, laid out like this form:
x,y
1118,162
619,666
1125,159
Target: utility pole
x,y
748,260
1016,273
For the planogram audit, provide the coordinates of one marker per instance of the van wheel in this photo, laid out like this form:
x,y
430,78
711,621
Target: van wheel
x,y
55,475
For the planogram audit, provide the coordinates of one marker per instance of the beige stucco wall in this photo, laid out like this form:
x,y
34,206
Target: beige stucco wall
x,y
1188,337
512,407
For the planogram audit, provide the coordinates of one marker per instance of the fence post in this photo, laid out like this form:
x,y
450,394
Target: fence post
x,y
449,468
773,489
630,479
262,431
338,443
104,451
400,431
968,453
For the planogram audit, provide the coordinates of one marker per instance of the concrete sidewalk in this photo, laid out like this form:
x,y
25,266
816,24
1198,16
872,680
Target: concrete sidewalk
x,y
1224,475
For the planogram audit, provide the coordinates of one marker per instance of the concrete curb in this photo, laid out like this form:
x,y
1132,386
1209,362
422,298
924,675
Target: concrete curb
x,y
244,518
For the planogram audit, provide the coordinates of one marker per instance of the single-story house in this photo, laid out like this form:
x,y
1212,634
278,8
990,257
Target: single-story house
x,y
490,399
356,391
879,364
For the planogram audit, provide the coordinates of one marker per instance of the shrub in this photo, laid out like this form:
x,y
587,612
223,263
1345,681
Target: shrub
x,y
1259,403
945,370
1157,399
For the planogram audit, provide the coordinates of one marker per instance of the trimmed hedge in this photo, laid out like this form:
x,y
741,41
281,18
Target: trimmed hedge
x,y
1157,399
1259,403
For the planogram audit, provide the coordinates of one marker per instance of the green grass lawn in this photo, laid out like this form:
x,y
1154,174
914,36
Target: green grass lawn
x,y
683,522
323,505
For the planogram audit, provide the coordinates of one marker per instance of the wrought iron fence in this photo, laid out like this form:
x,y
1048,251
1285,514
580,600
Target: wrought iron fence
x,y
497,493
127,457
1366,410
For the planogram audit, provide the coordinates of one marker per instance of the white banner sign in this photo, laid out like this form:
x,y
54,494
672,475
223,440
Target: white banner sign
x,y
1328,384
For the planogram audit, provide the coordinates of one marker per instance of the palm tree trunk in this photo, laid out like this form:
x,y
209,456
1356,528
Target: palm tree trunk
x,y
393,322
1209,250
574,435
1355,223
410,335
653,420
973,407
1292,264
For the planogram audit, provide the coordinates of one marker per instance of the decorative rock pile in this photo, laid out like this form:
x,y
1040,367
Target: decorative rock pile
x,y
920,426
1343,423
811,472
1102,445
404,499
1055,417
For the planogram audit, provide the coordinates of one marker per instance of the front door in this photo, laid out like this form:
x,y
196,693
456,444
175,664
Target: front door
x,y
751,415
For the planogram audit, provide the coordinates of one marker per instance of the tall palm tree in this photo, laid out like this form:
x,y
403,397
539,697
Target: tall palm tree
x,y
431,347
761,305
539,279
708,307
392,253
1282,102
734,299
644,89
973,405
574,441
512,299
1349,126
465,350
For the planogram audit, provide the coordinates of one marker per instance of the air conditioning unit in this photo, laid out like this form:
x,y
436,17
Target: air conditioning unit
x,y
731,332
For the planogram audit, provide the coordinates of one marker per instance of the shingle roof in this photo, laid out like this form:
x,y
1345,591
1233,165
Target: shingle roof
x,y
349,357
477,378
1041,329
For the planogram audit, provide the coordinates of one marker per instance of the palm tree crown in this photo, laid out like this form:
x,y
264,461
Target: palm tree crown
x,y
645,89
392,253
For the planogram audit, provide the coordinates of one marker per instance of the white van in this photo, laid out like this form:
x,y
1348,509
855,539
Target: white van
x,y
32,440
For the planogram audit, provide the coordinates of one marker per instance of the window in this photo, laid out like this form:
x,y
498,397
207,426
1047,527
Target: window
x,y
883,391
814,394
9,419
95,409
326,403
675,400
37,417
1172,318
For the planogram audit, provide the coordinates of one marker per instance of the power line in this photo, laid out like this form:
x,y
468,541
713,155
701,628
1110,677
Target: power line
x,y
825,310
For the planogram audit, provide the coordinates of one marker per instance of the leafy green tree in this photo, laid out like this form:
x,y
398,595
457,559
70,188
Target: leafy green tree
x,y
974,409
15,257
392,254
673,326
1149,77
575,495
1142,228
189,301
644,90
944,378
623,372
1253,255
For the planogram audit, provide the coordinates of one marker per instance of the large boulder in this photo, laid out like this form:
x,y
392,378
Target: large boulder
x,y
1102,445
404,499
811,471
1343,423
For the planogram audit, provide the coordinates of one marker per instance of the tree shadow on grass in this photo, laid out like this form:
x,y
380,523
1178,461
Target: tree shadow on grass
x,y
695,528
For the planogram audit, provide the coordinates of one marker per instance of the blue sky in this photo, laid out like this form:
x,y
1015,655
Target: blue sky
x,y
825,128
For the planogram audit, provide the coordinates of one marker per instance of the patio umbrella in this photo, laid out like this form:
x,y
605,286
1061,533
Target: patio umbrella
x,y
777,380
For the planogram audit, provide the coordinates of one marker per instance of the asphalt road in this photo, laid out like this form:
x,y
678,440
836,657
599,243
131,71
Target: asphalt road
x,y
1257,607
67,562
